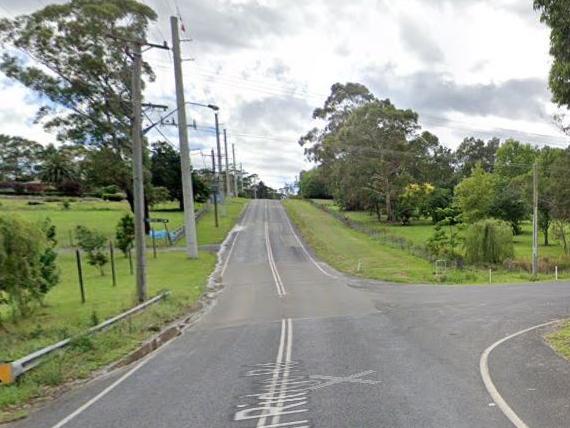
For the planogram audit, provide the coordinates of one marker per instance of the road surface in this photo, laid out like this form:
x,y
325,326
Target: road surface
x,y
292,343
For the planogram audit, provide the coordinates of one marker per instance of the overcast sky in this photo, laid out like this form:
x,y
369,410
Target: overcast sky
x,y
469,67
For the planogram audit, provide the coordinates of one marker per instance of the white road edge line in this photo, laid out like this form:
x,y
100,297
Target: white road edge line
x,y
306,251
103,393
278,361
223,271
485,374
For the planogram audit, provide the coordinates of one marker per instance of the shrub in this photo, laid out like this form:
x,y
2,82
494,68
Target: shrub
x,y
93,243
489,241
113,197
125,233
66,205
25,272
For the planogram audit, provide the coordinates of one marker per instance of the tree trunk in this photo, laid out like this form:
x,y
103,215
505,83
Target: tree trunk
x,y
131,201
545,231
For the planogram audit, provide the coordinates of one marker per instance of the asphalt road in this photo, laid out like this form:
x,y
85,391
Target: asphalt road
x,y
292,343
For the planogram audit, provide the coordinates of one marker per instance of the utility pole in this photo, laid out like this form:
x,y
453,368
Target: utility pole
x,y
138,180
534,220
185,165
228,187
218,147
241,177
215,186
236,193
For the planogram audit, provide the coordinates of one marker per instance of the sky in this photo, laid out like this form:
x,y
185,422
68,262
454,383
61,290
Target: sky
x,y
468,67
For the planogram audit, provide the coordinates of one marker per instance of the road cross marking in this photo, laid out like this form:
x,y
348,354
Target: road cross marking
x,y
355,378
491,388
284,393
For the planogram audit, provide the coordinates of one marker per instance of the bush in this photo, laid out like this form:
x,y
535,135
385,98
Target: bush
x,y
27,265
125,233
93,243
489,241
113,197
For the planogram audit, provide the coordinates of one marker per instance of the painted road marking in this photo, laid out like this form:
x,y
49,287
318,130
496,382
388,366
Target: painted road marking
x,y
276,277
237,229
355,378
281,390
485,374
107,390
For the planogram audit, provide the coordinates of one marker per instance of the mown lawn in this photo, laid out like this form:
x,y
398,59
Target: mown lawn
x,y
100,215
346,249
63,315
421,230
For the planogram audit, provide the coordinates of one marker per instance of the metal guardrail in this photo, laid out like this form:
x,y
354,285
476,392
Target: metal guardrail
x,y
9,372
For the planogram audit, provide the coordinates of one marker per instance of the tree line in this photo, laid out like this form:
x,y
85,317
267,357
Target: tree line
x,y
372,155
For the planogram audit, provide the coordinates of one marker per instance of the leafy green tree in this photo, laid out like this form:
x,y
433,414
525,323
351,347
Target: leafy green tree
x,y
509,204
57,165
313,185
514,159
554,13
125,234
474,195
413,201
558,192
93,243
472,152
25,272
439,201
19,158
83,74
166,172
489,241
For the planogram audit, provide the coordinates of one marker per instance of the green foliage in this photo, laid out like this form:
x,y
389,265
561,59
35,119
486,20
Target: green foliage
x,y
113,197
554,13
472,152
158,195
93,243
474,196
166,173
18,158
23,271
48,260
514,159
489,241
413,201
125,235
313,184
510,205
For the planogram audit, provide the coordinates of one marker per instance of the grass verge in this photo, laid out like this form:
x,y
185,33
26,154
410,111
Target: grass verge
x,y
361,255
64,316
559,340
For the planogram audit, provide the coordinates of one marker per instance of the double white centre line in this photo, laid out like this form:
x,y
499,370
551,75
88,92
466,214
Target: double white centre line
x,y
276,277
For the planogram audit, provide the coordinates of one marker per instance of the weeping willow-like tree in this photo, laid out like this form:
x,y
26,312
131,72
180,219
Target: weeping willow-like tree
x,y
489,241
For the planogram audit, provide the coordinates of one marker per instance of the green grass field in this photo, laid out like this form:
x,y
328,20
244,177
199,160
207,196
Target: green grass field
x,y
421,230
63,315
100,215
346,249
